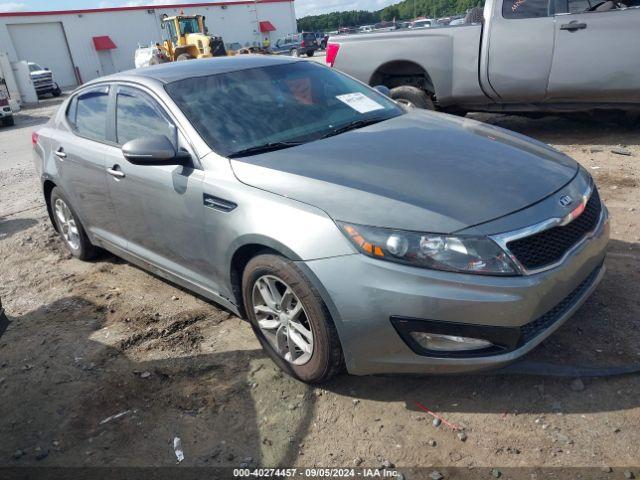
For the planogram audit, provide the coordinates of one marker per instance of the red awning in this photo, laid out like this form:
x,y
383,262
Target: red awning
x,y
267,27
103,43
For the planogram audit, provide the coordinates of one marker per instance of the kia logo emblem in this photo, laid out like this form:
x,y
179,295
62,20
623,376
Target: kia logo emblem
x,y
566,200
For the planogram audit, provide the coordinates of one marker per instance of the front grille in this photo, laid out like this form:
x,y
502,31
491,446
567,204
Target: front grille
x,y
539,325
549,246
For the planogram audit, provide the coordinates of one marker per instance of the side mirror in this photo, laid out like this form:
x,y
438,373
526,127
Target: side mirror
x,y
47,69
154,150
383,90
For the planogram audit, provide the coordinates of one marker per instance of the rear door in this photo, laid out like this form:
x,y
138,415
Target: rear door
x,y
519,39
597,54
160,208
80,154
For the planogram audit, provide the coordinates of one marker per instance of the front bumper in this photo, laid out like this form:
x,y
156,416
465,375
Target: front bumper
x,y
366,298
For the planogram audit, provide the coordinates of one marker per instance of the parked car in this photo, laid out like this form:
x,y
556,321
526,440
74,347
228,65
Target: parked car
x,y
6,113
275,187
423,23
322,39
42,79
296,45
515,56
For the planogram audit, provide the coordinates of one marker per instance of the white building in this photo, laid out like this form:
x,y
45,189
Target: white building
x,y
80,45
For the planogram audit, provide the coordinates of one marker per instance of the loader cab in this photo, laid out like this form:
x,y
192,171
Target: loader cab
x,y
180,26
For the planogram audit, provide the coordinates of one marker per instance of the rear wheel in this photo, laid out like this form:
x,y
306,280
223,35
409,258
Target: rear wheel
x,y
413,97
295,53
310,53
290,319
70,228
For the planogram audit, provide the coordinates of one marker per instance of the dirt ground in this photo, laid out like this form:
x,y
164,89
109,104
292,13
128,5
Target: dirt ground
x,y
88,341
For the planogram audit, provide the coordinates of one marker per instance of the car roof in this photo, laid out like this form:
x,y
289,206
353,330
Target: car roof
x,y
175,71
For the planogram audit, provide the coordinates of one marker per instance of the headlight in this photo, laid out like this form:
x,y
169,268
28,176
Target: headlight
x,y
465,254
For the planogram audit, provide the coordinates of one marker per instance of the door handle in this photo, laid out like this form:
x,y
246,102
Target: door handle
x,y
573,26
116,172
60,153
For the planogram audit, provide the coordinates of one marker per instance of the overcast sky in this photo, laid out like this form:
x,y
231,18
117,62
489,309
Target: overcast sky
x,y
303,7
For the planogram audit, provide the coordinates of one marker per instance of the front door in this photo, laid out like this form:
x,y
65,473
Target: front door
x,y
597,53
160,208
519,50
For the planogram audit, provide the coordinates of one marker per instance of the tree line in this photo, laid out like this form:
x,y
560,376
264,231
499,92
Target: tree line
x,y
405,10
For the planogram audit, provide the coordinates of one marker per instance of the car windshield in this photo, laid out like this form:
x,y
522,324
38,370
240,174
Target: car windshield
x,y
34,67
277,106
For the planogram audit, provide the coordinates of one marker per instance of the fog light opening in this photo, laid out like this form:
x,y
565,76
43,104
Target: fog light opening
x,y
449,343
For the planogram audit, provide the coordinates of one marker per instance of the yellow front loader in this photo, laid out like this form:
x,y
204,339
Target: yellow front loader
x,y
189,39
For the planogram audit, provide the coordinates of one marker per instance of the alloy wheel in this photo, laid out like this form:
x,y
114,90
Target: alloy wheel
x,y
67,224
282,319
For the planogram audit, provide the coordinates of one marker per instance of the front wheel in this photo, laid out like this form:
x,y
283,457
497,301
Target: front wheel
x,y
290,319
57,91
412,97
70,228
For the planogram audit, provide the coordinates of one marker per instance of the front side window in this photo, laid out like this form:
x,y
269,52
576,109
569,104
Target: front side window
x,y
579,6
295,102
138,117
90,112
514,9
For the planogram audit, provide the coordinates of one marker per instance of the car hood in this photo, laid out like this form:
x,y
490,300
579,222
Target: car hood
x,y
421,171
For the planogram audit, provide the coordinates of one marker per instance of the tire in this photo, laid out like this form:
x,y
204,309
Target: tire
x,y
412,97
80,247
294,53
325,359
475,15
8,121
184,56
56,92
310,54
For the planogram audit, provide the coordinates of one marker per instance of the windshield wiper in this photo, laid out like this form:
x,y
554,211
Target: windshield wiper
x,y
267,147
353,126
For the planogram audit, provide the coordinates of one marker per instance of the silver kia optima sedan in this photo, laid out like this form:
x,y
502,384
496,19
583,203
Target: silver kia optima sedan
x,y
349,231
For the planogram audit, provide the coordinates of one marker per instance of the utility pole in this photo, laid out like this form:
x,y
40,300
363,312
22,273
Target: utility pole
x,y
415,9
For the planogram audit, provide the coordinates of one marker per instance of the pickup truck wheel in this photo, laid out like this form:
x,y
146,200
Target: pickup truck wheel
x,y
69,227
56,92
290,319
412,97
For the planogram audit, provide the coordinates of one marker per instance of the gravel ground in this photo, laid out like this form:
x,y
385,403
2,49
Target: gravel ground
x,y
90,341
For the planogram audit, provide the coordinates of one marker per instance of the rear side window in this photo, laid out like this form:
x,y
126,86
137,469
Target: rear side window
x,y
138,117
525,9
90,112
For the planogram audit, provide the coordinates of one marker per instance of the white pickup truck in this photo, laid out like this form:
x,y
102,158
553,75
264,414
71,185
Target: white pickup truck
x,y
524,56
